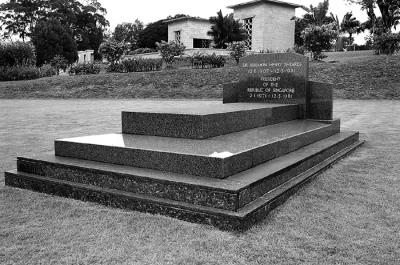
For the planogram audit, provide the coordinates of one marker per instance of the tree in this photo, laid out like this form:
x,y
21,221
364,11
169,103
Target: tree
x,y
154,32
350,25
225,29
87,21
319,38
129,33
390,10
112,50
169,50
237,50
51,38
316,15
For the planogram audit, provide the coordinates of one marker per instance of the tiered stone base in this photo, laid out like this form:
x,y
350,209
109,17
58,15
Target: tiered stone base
x,y
230,181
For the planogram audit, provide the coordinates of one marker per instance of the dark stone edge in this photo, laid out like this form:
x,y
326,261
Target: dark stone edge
x,y
223,221
200,195
258,188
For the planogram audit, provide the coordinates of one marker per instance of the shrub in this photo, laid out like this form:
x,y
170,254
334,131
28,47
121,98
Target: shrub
x,y
136,65
47,70
168,51
59,62
17,54
319,38
14,73
387,43
200,60
238,50
142,50
112,50
84,69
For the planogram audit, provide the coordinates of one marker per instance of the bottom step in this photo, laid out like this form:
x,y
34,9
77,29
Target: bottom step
x,y
223,219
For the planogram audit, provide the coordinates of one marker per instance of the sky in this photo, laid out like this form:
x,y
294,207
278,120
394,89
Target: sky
x,y
147,11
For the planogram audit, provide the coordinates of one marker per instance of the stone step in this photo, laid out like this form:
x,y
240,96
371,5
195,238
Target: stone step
x,y
231,193
204,119
217,157
224,219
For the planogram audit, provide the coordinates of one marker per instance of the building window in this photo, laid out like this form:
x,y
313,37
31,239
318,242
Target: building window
x,y
248,26
201,43
178,36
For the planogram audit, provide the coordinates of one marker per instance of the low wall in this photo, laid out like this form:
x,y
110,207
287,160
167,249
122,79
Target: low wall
x,y
188,52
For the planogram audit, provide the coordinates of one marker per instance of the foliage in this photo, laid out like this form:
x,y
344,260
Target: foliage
x,y
87,21
389,9
59,62
238,50
200,60
168,51
387,43
129,33
225,29
13,73
154,32
17,54
51,38
319,38
47,70
84,69
112,50
142,50
136,65
350,25
316,15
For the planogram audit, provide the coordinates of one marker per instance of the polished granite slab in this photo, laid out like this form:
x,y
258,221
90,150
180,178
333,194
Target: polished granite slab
x,y
230,193
216,157
202,120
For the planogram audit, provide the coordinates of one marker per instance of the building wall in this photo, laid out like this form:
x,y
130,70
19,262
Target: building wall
x,y
273,28
279,28
86,56
257,13
190,29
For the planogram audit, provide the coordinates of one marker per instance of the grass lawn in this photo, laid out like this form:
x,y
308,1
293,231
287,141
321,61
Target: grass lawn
x,y
348,215
355,75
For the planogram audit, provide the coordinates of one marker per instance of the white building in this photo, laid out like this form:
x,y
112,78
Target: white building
x,y
269,25
190,31
86,56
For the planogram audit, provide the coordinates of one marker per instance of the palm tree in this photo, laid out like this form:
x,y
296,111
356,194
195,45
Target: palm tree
x,y
350,25
225,29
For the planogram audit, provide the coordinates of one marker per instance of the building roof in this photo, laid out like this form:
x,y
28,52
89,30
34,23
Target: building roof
x,y
185,18
254,2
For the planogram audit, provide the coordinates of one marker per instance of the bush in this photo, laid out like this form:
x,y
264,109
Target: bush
x,y
17,54
112,50
200,60
168,51
387,43
238,50
136,65
142,51
47,70
59,62
85,69
14,73
319,38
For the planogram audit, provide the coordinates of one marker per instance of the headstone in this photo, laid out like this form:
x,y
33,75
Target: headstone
x,y
274,78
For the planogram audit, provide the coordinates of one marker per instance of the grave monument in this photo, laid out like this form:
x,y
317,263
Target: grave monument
x,y
224,164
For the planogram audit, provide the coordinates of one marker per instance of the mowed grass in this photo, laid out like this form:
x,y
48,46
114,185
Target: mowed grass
x,y
349,214
355,75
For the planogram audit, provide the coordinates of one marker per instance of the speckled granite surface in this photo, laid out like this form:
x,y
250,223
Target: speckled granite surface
x,y
217,157
204,119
